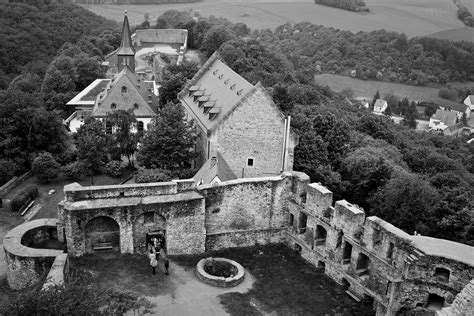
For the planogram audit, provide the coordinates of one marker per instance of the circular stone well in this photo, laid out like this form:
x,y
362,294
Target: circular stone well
x,y
220,272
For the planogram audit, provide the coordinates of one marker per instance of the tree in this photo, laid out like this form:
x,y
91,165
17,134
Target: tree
x,y
168,142
214,38
123,141
45,167
91,145
376,97
170,88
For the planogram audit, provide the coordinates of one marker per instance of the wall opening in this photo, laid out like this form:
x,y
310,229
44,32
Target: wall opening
x,y
297,248
321,235
345,284
302,221
322,265
292,222
442,274
145,227
140,127
362,267
389,287
435,302
391,246
303,197
339,239
376,238
102,233
346,253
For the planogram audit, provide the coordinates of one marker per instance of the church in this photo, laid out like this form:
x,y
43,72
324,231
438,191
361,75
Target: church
x,y
125,91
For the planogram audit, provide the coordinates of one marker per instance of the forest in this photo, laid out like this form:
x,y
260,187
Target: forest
x,y
351,5
417,181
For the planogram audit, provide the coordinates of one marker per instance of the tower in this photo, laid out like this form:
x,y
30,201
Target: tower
x,y
126,52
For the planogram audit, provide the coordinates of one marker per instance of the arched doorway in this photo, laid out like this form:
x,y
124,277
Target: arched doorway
x,y
145,227
102,233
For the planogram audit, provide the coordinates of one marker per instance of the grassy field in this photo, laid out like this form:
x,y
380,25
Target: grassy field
x,y
413,17
368,88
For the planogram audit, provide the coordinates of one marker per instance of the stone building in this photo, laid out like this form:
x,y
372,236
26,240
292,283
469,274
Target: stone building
x,y
374,260
126,91
238,125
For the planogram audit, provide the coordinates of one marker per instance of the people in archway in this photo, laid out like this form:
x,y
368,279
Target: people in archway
x,y
153,261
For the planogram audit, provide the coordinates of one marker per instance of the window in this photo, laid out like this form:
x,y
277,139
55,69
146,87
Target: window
x,y
339,239
362,267
389,286
108,127
113,106
124,89
135,106
250,162
390,251
435,302
292,220
302,220
346,253
376,238
148,218
140,126
442,274
321,235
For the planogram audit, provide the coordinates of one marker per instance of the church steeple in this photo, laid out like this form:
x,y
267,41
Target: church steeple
x,y
126,52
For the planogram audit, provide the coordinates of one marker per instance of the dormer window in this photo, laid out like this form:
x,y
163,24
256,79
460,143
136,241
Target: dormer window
x,y
226,82
232,87
221,76
215,72
124,89
113,106
135,106
240,92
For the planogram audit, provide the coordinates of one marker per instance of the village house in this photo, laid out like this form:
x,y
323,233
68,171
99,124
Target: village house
x,y
241,132
380,106
442,119
469,101
126,91
458,108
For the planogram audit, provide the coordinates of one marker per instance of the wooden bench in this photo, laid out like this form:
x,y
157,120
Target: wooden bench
x,y
26,206
103,246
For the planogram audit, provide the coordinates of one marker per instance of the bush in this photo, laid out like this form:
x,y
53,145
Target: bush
x,y
45,167
183,174
114,169
152,175
73,171
29,192
447,94
7,170
67,157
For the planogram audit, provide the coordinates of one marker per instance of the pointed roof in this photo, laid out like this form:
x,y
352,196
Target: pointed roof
x,y
126,47
126,92
214,167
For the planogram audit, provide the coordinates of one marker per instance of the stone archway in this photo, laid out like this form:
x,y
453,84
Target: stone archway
x,y
146,224
102,233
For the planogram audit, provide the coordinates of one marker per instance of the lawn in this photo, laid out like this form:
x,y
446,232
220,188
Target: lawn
x,y
368,88
413,17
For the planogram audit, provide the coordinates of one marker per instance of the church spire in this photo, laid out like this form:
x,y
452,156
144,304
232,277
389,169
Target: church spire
x,y
126,52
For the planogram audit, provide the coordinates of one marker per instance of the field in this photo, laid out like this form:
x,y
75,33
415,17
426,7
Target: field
x,y
413,17
368,88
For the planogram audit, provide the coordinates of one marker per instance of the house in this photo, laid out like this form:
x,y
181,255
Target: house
x,y
457,130
126,91
459,108
380,106
240,129
469,101
442,119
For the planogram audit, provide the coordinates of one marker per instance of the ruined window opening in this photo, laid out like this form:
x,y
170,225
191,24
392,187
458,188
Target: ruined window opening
x,y
148,218
362,267
346,253
376,238
250,162
122,194
435,302
298,248
345,284
391,246
321,235
442,274
339,239
292,220
389,286
113,106
124,89
322,265
303,197
108,127
303,219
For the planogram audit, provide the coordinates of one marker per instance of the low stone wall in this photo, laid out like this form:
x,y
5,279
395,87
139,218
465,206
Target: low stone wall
x,y
26,266
216,280
10,185
58,272
217,241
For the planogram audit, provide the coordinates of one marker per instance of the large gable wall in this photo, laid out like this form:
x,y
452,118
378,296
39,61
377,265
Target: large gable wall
x,y
255,129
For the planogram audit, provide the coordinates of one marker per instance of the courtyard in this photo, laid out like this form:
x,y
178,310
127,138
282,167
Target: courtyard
x,y
277,282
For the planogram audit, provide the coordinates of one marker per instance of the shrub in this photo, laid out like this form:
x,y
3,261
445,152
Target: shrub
x,y
447,94
29,192
7,170
183,174
73,171
114,168
67,157
45,167
152,175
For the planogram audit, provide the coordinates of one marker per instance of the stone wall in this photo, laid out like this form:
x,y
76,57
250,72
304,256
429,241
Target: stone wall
x,y
168,36
58,273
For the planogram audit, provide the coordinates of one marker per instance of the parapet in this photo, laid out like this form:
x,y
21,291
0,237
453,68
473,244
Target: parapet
x,y
350,218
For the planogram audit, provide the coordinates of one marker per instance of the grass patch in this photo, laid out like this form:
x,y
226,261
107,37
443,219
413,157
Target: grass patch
x,y
286,284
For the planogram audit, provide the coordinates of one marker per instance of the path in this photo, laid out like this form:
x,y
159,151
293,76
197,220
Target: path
x,y
189,296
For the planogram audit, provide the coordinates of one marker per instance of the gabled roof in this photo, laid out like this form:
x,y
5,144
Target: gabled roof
x,y
447,117
219,88
126,47
137,97
380,103
90,93
458,107
214,167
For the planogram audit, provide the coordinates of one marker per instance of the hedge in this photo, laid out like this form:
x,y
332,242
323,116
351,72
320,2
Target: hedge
x,y
29,192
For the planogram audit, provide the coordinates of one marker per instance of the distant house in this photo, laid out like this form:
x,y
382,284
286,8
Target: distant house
x,y
458,130
459,108
242,133
126,91
380,106
469,101
442,119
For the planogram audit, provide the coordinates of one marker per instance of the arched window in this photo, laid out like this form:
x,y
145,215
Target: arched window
x,y
124,89
113,106
321,235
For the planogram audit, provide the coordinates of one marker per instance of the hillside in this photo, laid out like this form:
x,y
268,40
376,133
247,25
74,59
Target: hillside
x,y
31,35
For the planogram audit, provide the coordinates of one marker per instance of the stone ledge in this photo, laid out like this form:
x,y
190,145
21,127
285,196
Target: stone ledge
x,y
57,272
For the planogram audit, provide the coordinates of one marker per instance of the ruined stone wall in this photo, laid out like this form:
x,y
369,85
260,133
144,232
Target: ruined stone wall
x,y
255,129
371,257
168,36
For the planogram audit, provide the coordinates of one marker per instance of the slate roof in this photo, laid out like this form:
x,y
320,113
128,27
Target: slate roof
x,y
137,92
214,92
216,166
447,117
126,47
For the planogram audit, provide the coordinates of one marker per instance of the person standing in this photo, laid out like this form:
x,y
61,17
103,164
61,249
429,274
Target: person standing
x,y
153,261
165,259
